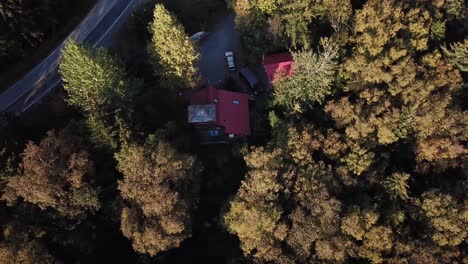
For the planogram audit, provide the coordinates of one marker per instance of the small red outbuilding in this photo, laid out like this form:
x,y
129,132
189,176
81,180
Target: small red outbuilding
x,y
278,63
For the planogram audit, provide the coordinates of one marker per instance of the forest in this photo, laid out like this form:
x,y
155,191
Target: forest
x,y
360,156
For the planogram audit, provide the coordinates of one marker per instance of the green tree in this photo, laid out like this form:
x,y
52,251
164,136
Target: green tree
x,y
7,166
457,54
397,186
97,84
339,14
358,159
268,6
297,17
160,187
267,25
456,8
56,174
312,80
94,80
175,56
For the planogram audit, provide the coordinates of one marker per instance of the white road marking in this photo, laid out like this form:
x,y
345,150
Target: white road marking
x,y
116,20
50,55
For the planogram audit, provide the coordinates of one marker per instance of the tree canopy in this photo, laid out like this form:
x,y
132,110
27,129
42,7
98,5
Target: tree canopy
x,y
96,83
160,187
269,24
56,174
367,158
22,244
457,54
312,79
359,156
175,56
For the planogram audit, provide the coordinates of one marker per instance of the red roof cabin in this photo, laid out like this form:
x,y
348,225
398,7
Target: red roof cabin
x,y
219,115
278,63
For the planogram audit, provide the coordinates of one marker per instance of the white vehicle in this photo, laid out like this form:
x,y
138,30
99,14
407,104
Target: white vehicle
x,y
197,37
230,60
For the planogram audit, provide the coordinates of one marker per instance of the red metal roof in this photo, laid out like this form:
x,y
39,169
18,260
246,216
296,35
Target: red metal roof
x,y
277,63
232,109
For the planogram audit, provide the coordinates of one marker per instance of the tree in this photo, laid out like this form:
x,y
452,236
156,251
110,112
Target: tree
x,y
391,88
358,159
396,107
297,17
22,244
447,218
7,166
421,252
362,226
456,8
397,186
254,214
267,25
175,56
339,14
357,222
93,79
21,28
312,79
160,187
376,24
440,133
96,83
377,242
283,212
56,174
334,250
457,54
315,219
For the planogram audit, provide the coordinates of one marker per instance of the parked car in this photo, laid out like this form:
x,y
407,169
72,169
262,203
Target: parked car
x,y
230,60
197,37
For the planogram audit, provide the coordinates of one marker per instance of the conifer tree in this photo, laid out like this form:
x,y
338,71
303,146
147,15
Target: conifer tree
x,y
312,79
457,54
96,83
174,55
397,186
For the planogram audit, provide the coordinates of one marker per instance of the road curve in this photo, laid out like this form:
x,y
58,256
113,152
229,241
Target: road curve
x,y
96,29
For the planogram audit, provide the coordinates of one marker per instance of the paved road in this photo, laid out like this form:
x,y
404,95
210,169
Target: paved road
x,y
96,29
223,38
